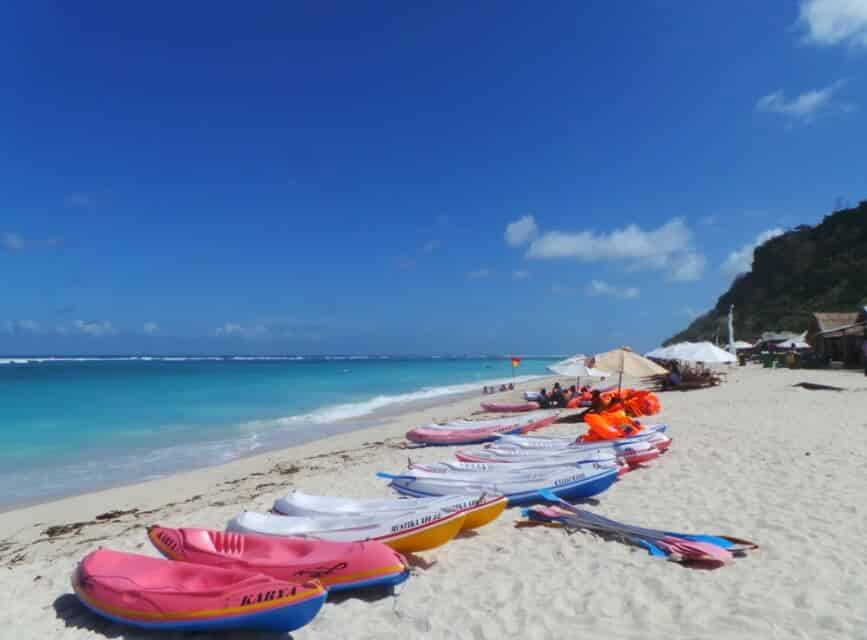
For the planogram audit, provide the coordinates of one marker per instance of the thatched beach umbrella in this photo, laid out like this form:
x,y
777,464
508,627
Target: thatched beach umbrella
x,y
625,360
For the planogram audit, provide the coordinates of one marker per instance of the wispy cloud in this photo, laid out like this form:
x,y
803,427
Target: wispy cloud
x,y
431,246
81,200
242,331
602,288
686,267
11,241
668,247
479,274
151,328
804,107
741,260
520,274
20,326
834,22
94,327
691,313
521,231
16,242
405,263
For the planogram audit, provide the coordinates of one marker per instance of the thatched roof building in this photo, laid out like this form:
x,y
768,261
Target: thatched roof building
x,y
838,336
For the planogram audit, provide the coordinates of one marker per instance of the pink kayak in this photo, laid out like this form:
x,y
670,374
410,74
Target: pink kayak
x,y
339,566
502,407
158,594
474,435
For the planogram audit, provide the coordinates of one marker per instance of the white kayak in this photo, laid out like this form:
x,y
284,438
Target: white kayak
x,y
652,433
520,483
532,459
407,531
632,453
298,503
502,423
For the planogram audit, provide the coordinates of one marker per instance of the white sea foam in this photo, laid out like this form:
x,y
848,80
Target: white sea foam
x,y
340,412
44,359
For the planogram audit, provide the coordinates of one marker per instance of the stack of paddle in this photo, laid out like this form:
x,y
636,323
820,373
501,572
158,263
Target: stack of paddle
x,y
690,549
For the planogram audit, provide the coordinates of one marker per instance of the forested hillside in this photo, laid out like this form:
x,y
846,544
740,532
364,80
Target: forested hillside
x,y
820,268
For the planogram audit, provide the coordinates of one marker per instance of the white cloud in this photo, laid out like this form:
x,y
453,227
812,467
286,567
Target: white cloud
x,y
431,246
741,261
521,231
481,273
21,326
79,200
151,328
803,107
833,22
686,267
94,328
602,288
666,247
520,274
629,243
11,241
691,313
234,329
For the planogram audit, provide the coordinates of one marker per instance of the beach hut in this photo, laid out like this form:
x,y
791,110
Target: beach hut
x,y
837,337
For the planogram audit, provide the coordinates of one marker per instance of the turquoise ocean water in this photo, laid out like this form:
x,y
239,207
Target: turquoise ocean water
x,y
75,425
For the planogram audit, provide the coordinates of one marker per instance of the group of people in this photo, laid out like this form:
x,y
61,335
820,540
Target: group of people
x,y
560,397
503,387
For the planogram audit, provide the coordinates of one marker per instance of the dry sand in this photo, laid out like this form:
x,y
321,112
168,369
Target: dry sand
x,y
754,458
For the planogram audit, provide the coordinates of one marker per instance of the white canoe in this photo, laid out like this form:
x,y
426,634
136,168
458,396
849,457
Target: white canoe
x,y
520,485
407,532
632,453
298,503
503,423
653,433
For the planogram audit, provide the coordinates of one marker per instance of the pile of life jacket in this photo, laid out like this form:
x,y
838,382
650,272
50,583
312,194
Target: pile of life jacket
x,y
618,420
634,402
611,425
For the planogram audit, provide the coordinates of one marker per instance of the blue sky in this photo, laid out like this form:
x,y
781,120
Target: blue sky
x,y
378,177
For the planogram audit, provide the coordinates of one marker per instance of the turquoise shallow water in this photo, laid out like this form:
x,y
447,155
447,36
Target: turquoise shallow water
x,y
77,425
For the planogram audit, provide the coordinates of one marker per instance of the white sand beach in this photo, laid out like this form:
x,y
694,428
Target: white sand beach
x,y
755,458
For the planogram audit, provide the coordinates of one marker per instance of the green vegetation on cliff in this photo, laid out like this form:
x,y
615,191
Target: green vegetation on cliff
x,y
821,268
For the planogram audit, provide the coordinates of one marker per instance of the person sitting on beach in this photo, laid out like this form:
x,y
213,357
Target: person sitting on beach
x,y
511,387
557,396
544,400
674,377
597,404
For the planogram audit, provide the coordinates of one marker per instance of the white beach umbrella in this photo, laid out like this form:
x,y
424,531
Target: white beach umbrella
x,y
742,344
576,367
660,353
705,352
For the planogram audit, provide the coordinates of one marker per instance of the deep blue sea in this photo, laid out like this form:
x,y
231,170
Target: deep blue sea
x,y
75,425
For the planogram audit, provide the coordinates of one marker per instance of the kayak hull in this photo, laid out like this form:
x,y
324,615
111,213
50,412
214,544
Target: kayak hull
x,y
405,532
339,566
478,510
151,593
568,482
504,407
464,432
